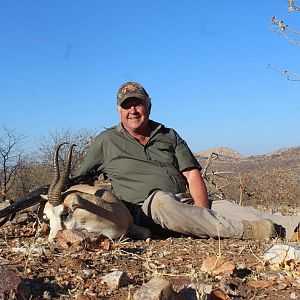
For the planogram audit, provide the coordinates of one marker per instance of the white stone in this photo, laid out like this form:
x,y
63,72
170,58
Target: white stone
x,y
282,252
115,279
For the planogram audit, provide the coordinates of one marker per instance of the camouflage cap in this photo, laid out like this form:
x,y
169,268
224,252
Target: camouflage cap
x,y
131,90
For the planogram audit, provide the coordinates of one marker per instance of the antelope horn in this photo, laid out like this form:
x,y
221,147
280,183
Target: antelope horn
x,y
62,181
68,165
55,195
56,174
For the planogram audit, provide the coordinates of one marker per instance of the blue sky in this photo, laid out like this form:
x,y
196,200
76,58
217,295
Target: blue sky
x,y
204,64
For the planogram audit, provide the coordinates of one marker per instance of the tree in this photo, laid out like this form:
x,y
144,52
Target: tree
x,y
81,138
22,173
31,175
12,158
291,35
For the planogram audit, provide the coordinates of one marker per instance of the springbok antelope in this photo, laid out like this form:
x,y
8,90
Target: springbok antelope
x,y
82,207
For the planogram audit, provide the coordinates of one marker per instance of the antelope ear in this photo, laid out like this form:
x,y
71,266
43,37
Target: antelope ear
x,y
73,201
45,197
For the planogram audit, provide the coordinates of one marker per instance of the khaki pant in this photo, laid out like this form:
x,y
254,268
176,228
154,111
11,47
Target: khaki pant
x,y
172,213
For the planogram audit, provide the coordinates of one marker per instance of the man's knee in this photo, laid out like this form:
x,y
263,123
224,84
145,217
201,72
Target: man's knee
x,y
153,212
221,205
157,201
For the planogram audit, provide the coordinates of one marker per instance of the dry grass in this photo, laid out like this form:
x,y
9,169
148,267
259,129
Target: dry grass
x,y
272,180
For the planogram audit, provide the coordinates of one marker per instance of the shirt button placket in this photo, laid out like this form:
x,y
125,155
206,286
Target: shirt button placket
x,y
147,153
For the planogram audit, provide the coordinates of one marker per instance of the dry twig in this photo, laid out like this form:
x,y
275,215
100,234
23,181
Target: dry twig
x,y
286,74
290,34
209,177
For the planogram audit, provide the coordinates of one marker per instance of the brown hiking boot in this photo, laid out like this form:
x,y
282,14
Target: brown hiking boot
x,y
258,230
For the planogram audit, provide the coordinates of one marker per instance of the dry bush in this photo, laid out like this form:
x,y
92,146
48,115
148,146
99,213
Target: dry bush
x,y
277,186
271,188
12,159
81,138
253,181
36,170
31,176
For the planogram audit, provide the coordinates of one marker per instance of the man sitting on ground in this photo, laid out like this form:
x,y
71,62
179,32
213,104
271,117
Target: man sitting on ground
x,y
151,167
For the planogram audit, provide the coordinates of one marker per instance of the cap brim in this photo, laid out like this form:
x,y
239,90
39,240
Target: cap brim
x,y
132,95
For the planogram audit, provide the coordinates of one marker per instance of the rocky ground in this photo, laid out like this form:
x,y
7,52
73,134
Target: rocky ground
x,y
207,269
32,268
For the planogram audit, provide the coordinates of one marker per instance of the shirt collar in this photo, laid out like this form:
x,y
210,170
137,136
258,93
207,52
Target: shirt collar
x,y
154,127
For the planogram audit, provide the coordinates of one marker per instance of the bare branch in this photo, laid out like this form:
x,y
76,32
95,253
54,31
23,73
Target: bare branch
x,y
210,178
286,74
81,138
289,34
212,156
292,6
11,158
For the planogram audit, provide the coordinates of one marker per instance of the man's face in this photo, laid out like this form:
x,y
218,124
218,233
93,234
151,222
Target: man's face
x,y
134,115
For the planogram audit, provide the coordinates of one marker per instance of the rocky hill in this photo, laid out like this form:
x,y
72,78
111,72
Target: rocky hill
x,y
286,158
270,176
221,151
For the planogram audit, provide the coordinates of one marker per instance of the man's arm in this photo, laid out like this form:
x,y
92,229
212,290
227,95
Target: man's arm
x,y
196,186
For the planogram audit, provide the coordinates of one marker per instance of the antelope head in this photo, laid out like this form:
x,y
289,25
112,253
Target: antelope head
x,y
54,210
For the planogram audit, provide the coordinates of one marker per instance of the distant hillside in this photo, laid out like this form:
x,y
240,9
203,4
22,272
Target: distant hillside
x,y
285,152
273,177
221,151
229,159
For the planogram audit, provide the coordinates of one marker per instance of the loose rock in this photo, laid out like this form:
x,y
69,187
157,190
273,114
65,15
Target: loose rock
x,y
282,252
116,279
157,289
11,284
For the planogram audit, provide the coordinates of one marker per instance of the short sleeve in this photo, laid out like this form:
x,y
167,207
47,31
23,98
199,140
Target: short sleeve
x,y
184,155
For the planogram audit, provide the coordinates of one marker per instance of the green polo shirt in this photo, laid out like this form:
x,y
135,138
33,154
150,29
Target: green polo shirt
x,y
134,170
